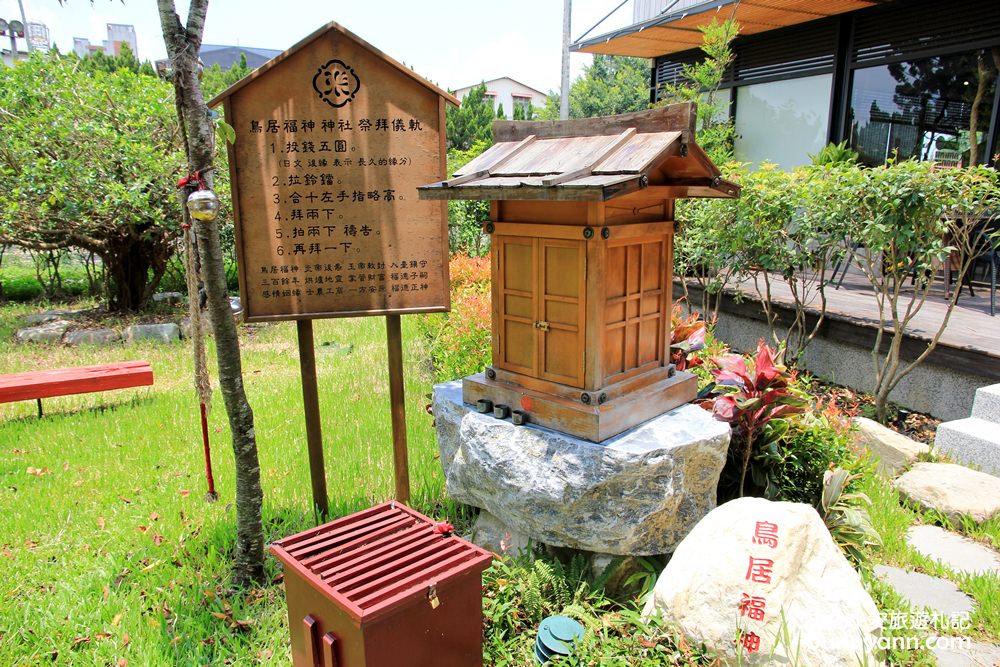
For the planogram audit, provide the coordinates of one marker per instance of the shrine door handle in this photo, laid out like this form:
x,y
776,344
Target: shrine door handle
x,y
544,326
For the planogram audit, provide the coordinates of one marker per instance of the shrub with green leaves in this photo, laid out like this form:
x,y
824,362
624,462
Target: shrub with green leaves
x,y
845,513
88,160
793,468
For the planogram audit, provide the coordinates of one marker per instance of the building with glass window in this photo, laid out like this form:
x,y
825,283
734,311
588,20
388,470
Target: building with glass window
x,y
906,78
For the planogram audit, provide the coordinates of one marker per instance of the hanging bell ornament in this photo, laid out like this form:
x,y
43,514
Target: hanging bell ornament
x,y
203,205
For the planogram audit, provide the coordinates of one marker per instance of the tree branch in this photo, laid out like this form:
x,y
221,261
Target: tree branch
x,y
196,24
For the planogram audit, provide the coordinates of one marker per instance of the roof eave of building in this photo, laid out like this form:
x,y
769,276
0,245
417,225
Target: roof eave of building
x,y
705,7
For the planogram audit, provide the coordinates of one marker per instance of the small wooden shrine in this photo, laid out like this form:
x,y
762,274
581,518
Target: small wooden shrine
x,y
582,224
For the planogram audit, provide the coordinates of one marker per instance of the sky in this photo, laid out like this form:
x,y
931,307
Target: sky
x,y
454,43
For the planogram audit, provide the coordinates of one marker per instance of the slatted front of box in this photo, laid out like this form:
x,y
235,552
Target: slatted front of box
x,y
383,588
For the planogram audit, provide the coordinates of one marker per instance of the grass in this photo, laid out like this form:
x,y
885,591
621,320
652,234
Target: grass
x,y
19,277
109,553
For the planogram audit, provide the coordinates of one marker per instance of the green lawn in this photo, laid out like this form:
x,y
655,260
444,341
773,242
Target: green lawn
x,y
108,551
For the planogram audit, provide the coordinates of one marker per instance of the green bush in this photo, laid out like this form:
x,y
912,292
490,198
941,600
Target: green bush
x,y
466,217
460,341
813,443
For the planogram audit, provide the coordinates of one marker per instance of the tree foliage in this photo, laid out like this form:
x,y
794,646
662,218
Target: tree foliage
x,y
472,122
466,217
700,83
609,85
901,221
87,160
102,62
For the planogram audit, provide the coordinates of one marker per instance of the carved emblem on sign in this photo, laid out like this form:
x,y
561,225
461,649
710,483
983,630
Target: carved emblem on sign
x,y
336,83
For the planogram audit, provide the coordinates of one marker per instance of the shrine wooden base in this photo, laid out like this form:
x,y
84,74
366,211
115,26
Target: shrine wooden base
x,y
595,421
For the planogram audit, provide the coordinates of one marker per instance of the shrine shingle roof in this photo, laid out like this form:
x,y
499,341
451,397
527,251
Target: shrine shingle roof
x,y
590,159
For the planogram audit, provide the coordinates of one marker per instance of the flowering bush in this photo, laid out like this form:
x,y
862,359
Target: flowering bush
x,y
460,340
469,273
784,440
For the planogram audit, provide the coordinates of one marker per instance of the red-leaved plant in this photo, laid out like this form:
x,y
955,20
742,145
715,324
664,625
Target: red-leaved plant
x,y
687,335
753,401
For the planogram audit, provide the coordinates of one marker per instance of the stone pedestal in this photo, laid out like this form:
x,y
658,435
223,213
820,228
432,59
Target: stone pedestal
x,y
638,493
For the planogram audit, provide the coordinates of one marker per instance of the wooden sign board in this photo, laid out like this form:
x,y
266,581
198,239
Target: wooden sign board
x,y
332,139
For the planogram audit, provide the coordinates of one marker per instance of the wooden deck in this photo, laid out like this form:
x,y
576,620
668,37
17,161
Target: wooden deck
x,y
970,342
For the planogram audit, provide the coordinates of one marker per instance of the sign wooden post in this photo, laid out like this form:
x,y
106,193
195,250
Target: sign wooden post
x,y
332,139
310,405
394,337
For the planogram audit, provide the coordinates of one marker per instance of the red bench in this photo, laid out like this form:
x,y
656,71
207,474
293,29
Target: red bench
x,y
65,381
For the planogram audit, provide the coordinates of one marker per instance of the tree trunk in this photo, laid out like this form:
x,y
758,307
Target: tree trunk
x,y
183,45
128,262
129,274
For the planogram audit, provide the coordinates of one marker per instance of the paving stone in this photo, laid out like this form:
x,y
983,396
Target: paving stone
x,y
50,332
894,450
959,553
922,590
170,298
953,490
48,316
955,654
93,337
161,333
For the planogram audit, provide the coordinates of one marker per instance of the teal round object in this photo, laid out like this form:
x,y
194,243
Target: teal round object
x,y
549,645
557,635
540,657
565,629
542,649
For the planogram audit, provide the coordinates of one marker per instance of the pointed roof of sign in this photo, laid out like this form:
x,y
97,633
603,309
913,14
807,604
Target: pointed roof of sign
x,y
332,26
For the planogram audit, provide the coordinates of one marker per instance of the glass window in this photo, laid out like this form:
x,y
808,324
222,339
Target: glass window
x,y
932,109
782,121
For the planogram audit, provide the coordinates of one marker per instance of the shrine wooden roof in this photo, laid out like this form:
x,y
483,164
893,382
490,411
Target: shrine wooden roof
x,y
590,159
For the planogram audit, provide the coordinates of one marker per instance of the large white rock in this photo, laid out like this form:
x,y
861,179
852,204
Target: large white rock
x,y
768,568
638,493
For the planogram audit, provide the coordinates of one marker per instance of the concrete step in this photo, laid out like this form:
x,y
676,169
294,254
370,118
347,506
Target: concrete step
x,y
987,404
973,441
